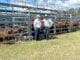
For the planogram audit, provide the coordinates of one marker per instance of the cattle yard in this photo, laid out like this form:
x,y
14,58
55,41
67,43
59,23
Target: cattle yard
x,y
18,25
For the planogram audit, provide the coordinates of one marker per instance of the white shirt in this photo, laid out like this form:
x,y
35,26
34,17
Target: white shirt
x,y
48,22
37,23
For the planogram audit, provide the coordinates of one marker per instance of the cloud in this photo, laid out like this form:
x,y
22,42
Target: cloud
x,y
57,2
22,2
51,1
18,2
73,1
40,2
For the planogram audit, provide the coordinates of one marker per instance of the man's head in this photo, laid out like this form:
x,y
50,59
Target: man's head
x,y
37,16
46,16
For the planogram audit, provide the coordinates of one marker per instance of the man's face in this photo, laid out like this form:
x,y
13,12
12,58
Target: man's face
x,y
38,17
46,17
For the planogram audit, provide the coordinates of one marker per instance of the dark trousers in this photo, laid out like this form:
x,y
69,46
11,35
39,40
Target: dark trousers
x,y
46,32
37,33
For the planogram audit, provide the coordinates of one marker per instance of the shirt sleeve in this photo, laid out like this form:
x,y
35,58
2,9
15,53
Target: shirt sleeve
x,y
51,22
34,23
43,20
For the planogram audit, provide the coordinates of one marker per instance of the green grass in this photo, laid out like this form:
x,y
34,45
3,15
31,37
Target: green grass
x,y
64,47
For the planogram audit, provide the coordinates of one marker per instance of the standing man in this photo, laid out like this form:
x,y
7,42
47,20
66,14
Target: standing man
x,y
37,26
47,23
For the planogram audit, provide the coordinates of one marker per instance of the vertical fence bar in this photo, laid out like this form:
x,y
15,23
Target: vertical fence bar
x,y
29,24
70,24
55,26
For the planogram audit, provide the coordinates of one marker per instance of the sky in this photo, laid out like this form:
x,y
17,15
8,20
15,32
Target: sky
x,y
64,3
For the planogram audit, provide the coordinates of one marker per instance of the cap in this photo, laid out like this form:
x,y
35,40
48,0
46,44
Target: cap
x,y
37,16
46,15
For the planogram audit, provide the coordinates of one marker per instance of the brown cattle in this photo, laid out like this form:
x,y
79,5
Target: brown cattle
x,y
60,24
3,32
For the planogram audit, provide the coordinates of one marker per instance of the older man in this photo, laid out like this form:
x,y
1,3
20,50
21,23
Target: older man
x,y
48,23
37,26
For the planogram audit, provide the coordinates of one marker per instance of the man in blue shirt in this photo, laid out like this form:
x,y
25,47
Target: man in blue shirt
x,y
47,23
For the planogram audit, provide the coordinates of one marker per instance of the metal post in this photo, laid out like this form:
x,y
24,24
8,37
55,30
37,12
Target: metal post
x,y
29,24
55,26
70,25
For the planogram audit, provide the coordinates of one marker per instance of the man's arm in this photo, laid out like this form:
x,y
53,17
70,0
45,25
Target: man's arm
x,y
34,23
50,22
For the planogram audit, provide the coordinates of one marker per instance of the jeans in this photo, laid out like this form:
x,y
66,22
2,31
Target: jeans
x,y
37,33
46,32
